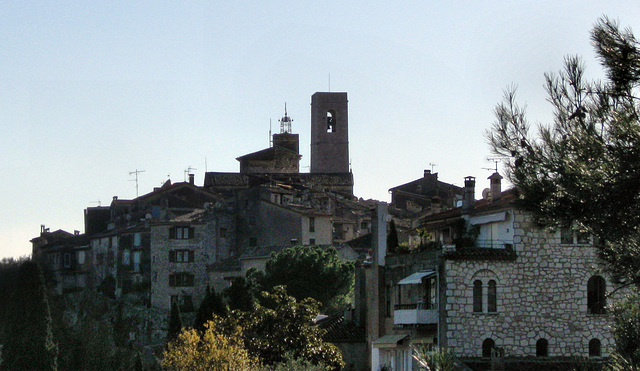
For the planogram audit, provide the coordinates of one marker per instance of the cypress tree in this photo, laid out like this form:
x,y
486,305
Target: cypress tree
x,y
175,323
211,304
29,342
392,238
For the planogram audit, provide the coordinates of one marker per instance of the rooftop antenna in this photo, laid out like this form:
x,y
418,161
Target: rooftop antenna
x,y
285,122
96,202
136,172
432,166
188,171
329,83
270,140
495,161
205,164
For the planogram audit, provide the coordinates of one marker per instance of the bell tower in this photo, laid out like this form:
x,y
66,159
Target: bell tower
x,y
329,133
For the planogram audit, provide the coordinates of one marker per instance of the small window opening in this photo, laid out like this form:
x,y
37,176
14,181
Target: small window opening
x,y
595,349
477,296
331,122
542,348
492,296
596,301
487,346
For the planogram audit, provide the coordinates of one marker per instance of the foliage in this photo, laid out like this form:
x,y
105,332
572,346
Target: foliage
x,y
438,360
108,287
29,342
219,348
392,238
311,272
617,362
583,168
294,364
175,323
626,329
241,295
285,330
210,305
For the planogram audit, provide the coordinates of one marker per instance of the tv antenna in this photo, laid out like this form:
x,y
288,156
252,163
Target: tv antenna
x,y
432,166
496,161
188,171
136,172
96,202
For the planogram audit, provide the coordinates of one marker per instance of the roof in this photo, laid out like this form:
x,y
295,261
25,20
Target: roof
x,y
216,179
479,253
389,341
260,251
338,330
226,265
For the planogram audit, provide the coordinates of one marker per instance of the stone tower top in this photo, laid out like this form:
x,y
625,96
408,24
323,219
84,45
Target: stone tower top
x,y
329,133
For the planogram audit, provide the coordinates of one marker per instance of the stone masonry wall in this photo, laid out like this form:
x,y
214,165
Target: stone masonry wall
x,y
542,294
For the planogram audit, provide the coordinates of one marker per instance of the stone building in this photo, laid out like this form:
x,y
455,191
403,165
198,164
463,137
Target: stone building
x,y
493,288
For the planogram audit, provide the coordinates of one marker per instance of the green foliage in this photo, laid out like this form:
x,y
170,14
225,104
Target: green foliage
x,y
617,362
392,238
108,287
219,348
241,295
29,342
285,330
438,360
584,167
626,328
175,323
211,305
311,272
294,365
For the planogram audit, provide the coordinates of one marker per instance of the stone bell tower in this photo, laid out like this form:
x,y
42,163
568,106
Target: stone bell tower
x,y
329,133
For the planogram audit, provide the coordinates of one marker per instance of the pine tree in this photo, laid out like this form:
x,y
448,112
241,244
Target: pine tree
x,y
29,339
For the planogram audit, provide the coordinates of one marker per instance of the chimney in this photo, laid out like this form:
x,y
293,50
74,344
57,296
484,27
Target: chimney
x,y
469,193
495,186
191,179
427,172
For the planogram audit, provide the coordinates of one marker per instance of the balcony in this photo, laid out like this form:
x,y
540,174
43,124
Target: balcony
x,y
415,314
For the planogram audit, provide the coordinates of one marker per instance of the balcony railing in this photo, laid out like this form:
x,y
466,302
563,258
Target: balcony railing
x,y
415,314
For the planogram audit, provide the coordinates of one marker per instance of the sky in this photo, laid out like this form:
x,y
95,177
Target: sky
x,y
91,91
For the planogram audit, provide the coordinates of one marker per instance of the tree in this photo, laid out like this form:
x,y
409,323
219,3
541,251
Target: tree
x,y
584,168
211,305
219,348
285,331
29,342
626,328
175,323
241,295
392,238
311,272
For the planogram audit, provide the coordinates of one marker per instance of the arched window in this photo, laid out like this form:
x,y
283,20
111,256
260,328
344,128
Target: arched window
x,y
331,122
487,346
492,297
596,301
542,348
595,350
477,296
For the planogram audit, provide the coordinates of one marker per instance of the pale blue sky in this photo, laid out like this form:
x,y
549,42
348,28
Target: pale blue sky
x,y
90,91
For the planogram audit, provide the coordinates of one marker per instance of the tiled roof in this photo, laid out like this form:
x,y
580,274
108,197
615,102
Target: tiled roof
x,y
340,331
227,265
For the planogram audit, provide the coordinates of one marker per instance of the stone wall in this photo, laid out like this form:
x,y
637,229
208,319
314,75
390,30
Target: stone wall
x,y
540,295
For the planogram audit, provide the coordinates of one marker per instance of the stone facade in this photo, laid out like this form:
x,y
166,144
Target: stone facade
x,y
542,294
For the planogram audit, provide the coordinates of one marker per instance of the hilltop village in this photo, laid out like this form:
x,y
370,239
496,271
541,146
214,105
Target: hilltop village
x,y
476,277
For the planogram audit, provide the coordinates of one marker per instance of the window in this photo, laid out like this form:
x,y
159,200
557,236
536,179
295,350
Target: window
x,y
126,257
331,122
181,256
312,224
81,257
566,236
184,302
181,279
181,233
67,260
312,241
542,348
487,347
569,236
364,225
477,296
136,261
492,296
596,301
137,239
595,349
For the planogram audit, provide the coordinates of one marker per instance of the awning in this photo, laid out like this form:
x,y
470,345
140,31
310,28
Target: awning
x,y
416,278
389,341
491,218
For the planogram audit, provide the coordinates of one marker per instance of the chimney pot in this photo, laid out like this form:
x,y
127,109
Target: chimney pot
x,y
191,179
469,193
495,186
